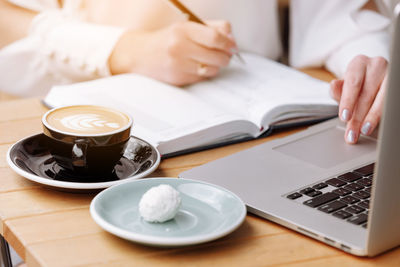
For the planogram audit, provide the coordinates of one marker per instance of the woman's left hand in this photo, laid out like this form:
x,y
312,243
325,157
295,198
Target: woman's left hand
x,y
360,95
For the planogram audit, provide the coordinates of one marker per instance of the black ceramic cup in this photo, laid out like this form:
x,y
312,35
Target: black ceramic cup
x,y
80,140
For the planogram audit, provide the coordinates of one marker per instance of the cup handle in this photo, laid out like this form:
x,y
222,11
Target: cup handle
x,y
79,153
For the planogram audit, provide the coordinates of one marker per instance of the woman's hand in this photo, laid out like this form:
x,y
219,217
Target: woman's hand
x,y
360,95
180,54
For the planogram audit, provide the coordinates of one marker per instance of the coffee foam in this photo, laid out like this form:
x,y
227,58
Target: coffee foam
x,y
87,120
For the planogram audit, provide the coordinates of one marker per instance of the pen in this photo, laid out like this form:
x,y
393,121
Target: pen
x,y
194,18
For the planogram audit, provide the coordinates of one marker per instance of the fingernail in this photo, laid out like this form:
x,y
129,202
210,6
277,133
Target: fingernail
x,y
366,127
345,115
351,136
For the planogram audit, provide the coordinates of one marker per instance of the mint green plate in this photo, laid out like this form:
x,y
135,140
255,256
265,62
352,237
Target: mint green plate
x,y
207,212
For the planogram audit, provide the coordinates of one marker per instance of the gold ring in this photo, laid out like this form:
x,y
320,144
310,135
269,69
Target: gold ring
x,y
201,69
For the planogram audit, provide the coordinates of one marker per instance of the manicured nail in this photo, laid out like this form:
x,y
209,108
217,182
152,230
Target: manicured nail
x,y
366,127
345,115
351,136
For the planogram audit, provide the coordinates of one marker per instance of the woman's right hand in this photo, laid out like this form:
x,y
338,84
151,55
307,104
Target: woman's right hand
x,y
180,54
360,95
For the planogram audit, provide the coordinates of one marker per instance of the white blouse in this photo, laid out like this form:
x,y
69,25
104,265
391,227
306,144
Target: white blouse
x,y
73,43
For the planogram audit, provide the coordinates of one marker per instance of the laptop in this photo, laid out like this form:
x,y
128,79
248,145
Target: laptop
x,y
347,196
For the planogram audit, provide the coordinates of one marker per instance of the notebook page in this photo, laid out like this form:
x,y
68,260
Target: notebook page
x,y
160,112
261,85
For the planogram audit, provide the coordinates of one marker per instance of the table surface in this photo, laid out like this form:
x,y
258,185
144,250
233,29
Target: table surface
x,y
50,228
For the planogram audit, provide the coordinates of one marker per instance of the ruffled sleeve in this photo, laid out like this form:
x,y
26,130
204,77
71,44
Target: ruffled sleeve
x,y
59,49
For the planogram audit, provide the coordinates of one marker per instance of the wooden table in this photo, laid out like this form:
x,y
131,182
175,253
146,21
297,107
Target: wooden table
x,y
50,228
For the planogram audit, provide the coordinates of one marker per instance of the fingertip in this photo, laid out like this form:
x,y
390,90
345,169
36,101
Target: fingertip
x,y
366,128
351,137
345,115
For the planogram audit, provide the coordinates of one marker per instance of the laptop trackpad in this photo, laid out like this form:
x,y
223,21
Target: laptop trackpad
x,y
327,148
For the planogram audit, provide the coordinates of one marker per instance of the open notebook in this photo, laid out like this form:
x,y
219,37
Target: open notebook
x,y
243,102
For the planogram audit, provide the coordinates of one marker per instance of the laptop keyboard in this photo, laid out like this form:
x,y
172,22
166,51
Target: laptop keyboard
x,y
345,196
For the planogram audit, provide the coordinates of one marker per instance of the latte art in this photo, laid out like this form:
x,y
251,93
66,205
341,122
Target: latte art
x,y
88,123
87,120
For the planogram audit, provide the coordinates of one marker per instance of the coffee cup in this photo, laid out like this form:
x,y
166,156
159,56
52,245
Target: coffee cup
x,y
86,139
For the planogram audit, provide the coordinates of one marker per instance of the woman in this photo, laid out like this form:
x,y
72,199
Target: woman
x,y
58,42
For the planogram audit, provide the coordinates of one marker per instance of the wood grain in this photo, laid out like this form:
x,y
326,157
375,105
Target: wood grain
x,y
64,224
3,152
28,108
52,228
13,131
6,97
10,181
254,237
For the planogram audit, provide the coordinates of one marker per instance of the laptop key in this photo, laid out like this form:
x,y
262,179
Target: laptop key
x,y
365,182
364,204
353,187
342,192
306,190
358,219
314,193
368,189
361,194
354,209
336,182
332,206
366,170
349,199
320,186
294,195
350,177
321,199
342,214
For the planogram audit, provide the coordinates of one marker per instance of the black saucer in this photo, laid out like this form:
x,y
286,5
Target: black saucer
x,y
31,158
